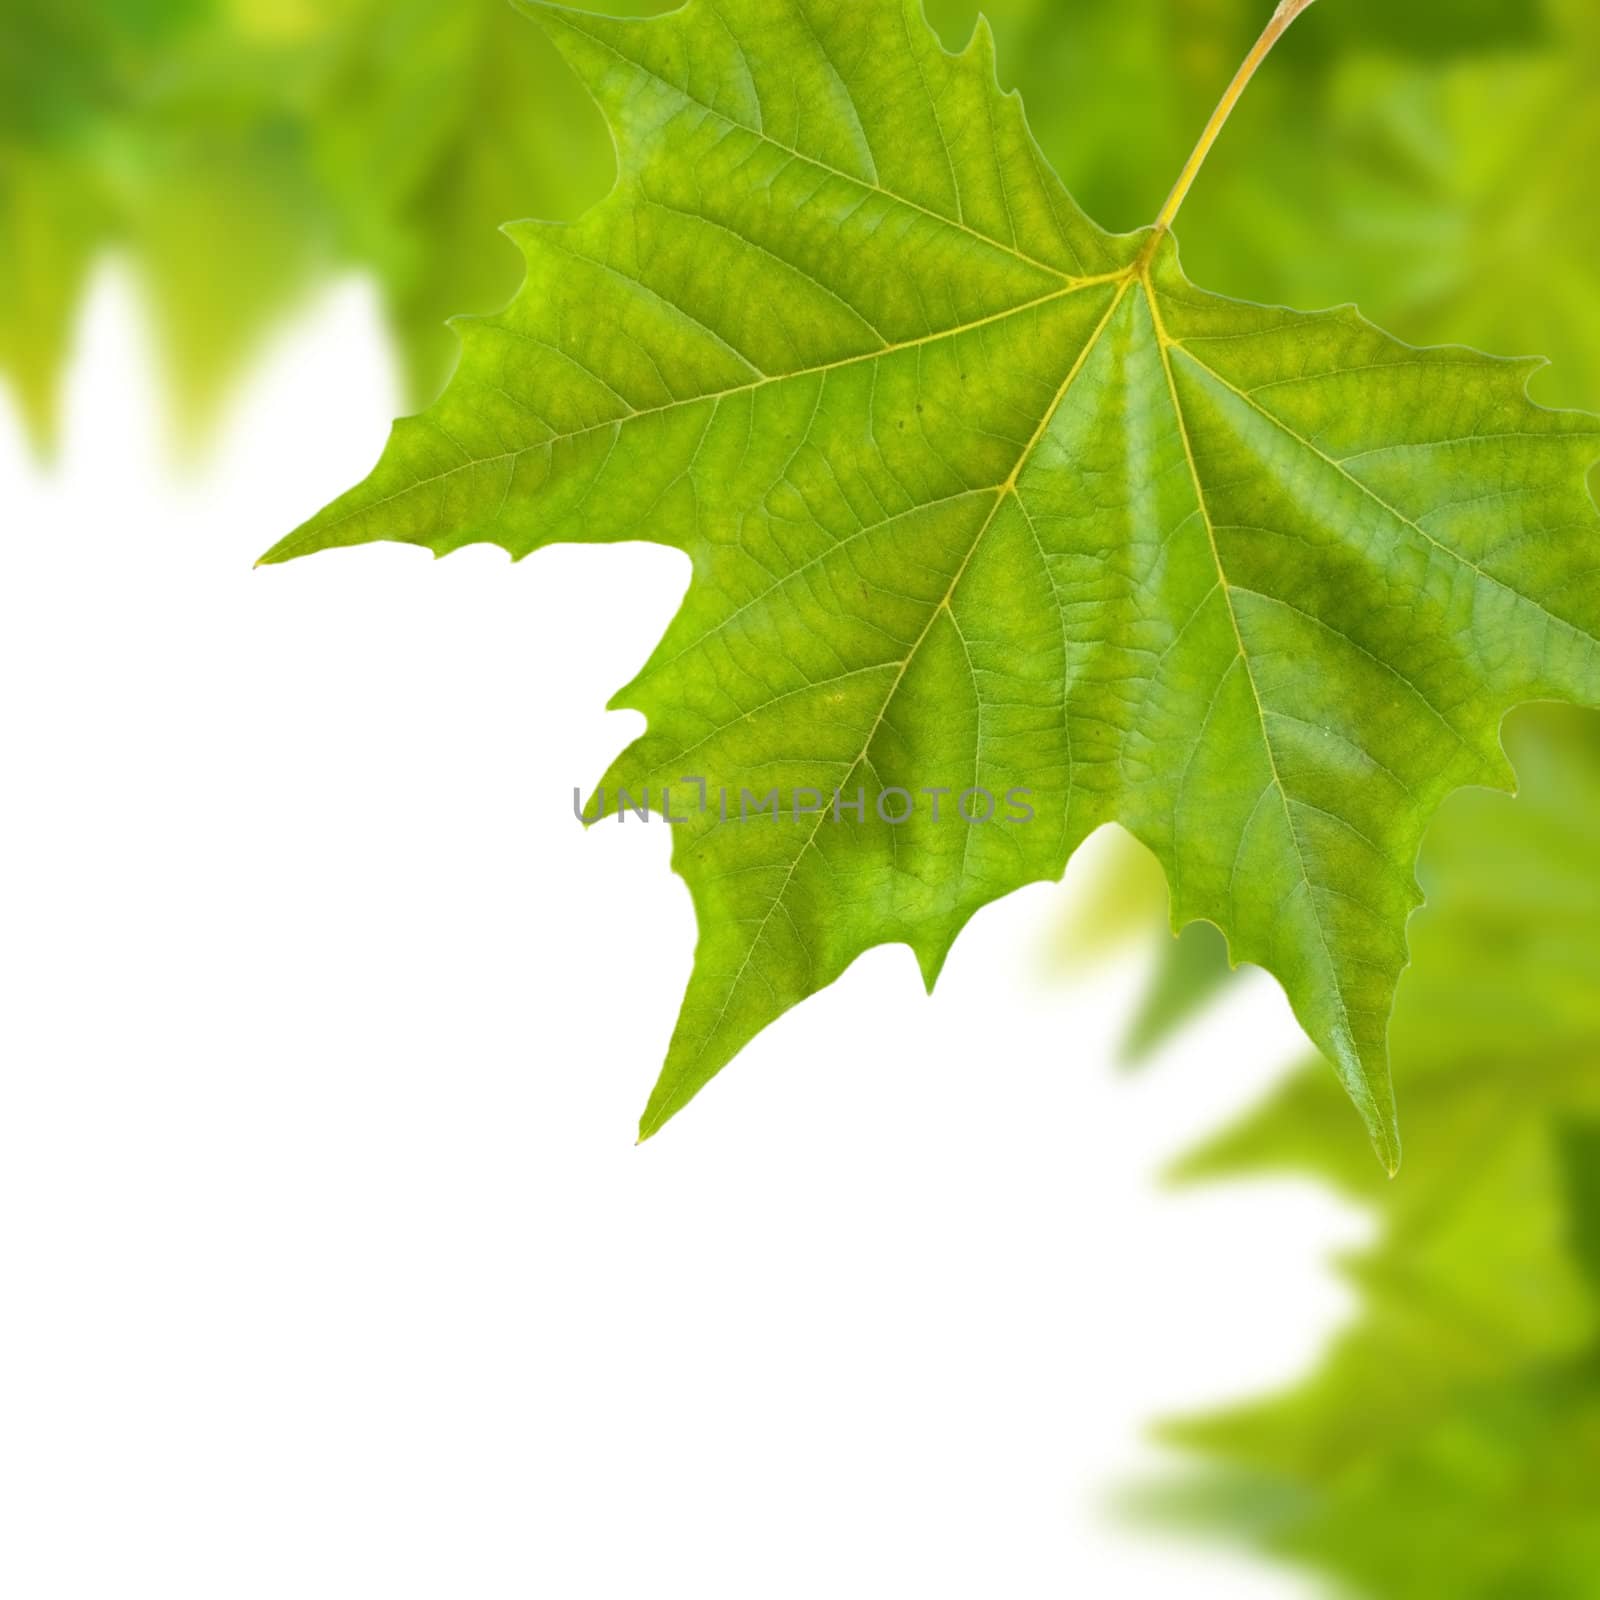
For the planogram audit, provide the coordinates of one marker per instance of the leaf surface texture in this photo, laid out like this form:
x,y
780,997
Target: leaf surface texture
x,y
977,495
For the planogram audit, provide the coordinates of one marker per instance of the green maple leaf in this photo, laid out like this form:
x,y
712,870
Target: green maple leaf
x,y
1450,1443
978,495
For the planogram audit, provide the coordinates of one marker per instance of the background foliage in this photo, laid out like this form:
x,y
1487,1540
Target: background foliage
x,y
238,152
1449,1444
1433,161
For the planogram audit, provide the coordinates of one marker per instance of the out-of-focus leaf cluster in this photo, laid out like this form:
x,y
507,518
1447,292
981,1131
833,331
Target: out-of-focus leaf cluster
x,y
1435,161
1450,1442
238,152
1431,160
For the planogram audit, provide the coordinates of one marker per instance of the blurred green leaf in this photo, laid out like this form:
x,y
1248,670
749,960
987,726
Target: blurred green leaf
x,y
441,122
161,129
239,152
1450,1443
1125,894
1472,199
1125,898
1189,971
64,67
50,232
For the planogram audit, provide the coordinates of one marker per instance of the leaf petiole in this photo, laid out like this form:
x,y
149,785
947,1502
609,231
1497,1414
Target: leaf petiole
x,y
1287,11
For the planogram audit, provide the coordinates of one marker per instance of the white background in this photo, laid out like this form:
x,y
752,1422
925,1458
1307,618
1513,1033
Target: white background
x,y
329,1266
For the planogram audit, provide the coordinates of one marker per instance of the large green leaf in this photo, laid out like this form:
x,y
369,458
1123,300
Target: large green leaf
x,y
1450,1443
979,495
